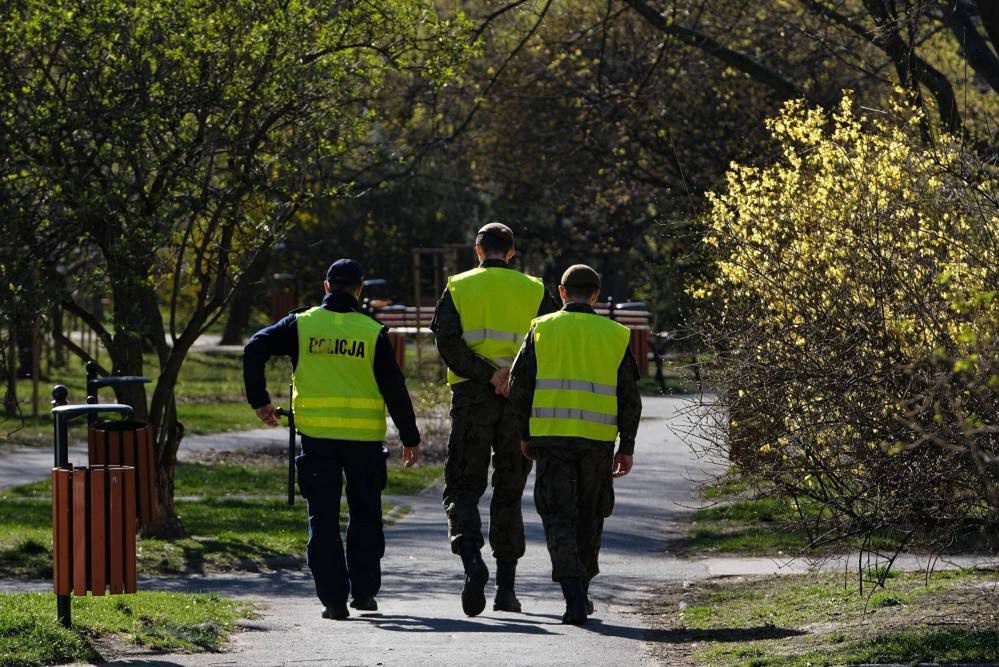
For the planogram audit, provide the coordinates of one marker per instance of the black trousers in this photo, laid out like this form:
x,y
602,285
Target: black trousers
x,y
322,467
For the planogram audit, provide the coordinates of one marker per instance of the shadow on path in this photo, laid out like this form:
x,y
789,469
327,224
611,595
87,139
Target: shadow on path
x,y
409,623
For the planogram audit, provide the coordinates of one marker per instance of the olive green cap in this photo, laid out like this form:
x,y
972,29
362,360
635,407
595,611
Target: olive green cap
x,y
496,230
580,275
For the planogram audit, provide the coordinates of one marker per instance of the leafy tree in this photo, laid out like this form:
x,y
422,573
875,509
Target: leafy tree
x,y
176,140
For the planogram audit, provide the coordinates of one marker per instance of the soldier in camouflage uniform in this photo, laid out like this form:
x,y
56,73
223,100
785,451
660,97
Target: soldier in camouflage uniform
x,y
479,324
574,386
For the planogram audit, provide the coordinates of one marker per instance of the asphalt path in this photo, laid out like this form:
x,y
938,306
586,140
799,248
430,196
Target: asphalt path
x,y
420,621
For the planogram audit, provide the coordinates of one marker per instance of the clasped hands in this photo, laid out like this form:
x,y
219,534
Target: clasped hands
x,y
501,381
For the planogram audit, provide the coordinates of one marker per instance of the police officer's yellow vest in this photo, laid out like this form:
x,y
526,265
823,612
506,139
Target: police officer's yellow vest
x,y
334,391
575,393
496,306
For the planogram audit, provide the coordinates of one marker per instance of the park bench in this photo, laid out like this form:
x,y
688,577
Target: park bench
x,y
409,321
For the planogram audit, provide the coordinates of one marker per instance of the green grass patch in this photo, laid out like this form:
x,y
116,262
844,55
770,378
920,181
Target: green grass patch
x,y
25,538
756,526
228,526
822,619
727,486
202,479
30,635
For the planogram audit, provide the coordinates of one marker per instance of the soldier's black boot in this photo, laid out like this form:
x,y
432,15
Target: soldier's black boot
x,y
336,612
367,603
473,595
589,602
575,601
506,599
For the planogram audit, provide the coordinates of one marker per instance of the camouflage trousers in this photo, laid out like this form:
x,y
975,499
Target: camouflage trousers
x,y
478,431
574,492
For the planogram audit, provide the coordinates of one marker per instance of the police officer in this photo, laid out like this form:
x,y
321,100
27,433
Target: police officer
x,y
479,324
574,386
345,374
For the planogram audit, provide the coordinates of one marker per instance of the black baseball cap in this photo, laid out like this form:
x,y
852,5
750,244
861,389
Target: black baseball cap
x,y
497,231
345,272
580,275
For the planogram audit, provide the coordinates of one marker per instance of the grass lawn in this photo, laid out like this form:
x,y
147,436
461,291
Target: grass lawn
x,y
235,523
821,619
756,526
739,521
30,635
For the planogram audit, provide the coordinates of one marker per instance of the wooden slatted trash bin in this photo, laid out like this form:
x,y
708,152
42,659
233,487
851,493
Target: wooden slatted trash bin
x,y
93,515
128,443
93,530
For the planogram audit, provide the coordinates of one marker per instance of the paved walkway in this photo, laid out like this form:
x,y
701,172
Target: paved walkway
x,y
420,621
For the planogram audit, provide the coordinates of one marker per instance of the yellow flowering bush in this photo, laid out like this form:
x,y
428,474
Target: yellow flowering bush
x,y
856,289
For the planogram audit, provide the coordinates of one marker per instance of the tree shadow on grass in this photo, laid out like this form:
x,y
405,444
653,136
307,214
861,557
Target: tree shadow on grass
x,y
691,635
28,558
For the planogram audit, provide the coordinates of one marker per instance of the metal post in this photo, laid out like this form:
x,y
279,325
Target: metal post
x,y
91,389
64,605
36,363
290,414
291,458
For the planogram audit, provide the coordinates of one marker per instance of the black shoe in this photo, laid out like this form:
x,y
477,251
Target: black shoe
x,y
589,607
506,576
506,600
364,604
575,601
337,613
473,595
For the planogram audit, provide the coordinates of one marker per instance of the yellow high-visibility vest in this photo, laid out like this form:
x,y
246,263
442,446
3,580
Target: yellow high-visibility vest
x,y
496,306
575,391
334,391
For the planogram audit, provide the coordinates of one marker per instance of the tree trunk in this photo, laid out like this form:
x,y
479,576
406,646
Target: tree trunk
x,y
169,434
10,372
137,321
126,358
242,301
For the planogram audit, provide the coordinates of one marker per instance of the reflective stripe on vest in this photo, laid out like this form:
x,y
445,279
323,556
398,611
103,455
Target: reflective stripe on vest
x,y
575,392
334,393
496,306
574,413
491,334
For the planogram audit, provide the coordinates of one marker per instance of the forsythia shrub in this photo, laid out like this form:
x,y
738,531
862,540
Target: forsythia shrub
x,y
856,285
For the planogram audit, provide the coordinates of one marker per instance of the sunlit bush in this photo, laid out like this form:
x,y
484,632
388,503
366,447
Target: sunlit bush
x,y
856,286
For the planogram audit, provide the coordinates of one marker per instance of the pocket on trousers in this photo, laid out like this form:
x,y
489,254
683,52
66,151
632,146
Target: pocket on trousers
x,y
303,475
383,468
605,505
